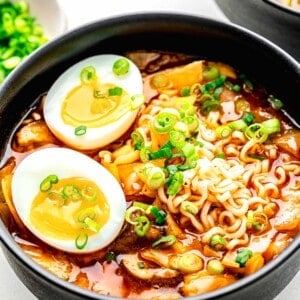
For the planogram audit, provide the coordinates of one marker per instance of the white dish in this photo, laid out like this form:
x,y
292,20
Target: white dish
x,y
49,15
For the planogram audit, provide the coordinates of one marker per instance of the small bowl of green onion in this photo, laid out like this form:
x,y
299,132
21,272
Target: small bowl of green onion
x,y
26,25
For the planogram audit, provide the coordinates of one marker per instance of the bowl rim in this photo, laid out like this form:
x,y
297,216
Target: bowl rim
x,y
283,7
6,238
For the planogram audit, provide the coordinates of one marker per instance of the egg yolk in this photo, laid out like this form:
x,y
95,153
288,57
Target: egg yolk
x,y
94,105
68,208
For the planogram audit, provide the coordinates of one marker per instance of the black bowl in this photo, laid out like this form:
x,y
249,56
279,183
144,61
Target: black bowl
x,y
202,37
275,21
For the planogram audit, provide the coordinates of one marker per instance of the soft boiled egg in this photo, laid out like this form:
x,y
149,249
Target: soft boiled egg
x,y
95,101
68,200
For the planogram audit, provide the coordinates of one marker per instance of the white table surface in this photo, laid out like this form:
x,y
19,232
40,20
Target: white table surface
x,y
84,11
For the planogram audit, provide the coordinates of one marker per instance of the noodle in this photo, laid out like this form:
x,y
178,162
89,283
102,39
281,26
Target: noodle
x,y
229,191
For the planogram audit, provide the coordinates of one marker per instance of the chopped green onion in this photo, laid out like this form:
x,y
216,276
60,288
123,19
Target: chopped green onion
x,y
132,213
89,212
137,101
159,214
116,91
243,256
145,153
144,206
189,207
215,267
188,150
210,105
88,74
47,183
137,139
220,155
236,88
175,183
20,35
212,85
223,131
275,102
239,125
155,177
272,125
192,123
11,62
177,139
185,91
256,132
210,73
248,118
110,256
89,193
165,241
248,84
80,130
91,224
81,241
142,226
164,152
217,242
218,92
257,220
164,121
121,66
71,192
141,265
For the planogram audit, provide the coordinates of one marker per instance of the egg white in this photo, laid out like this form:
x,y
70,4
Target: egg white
x,y
66,163
94,137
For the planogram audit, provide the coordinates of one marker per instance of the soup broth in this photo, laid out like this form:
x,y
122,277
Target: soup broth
x,y
211,174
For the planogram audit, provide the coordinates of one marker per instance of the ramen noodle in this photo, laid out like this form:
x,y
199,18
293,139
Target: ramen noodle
x,y
211,174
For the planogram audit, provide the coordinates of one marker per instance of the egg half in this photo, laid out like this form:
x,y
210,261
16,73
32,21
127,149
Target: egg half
x,y
92,104
68,200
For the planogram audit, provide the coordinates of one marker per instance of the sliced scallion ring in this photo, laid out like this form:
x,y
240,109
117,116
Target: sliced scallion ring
x,y
81,241
47,183
80,130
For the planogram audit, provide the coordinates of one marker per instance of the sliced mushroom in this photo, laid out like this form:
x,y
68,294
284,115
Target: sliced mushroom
x,y
188,262
138,269
33,134
290,142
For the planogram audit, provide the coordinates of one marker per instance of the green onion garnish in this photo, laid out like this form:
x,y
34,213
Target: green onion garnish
x,y
88,74
185,91
210,73
243,256
47,183
110,256
81,241
121,66
88,193
257,132
217,242
71,192
175,183
137,139
137,101
142,226
223,131
275,102
164,121
116,91
80,130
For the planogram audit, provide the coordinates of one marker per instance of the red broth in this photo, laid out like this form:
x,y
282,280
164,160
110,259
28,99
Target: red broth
x,y
212,228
